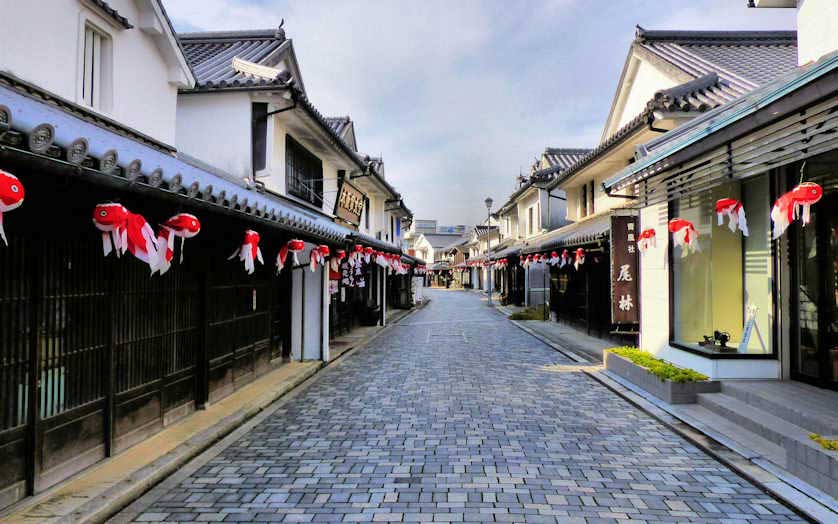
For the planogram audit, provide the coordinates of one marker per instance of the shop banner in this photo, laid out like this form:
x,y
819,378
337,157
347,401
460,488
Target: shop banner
x,y
624,270
350,203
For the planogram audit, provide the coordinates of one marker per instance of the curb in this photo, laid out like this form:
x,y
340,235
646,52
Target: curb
x,y
122,494
751,470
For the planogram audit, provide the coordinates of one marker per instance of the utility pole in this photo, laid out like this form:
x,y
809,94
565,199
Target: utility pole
x,y
488,203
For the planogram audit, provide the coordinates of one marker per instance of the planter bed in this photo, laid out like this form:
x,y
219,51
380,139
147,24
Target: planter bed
x,y
666,390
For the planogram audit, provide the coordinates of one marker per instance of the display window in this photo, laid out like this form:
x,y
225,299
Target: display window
x,y
722,287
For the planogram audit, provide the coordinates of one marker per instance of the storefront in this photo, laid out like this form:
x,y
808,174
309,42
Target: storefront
x,y
122,348
759,301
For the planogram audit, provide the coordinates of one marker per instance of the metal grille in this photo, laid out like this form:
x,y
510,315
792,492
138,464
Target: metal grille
x,y
71,340
15,305
156,324
805,134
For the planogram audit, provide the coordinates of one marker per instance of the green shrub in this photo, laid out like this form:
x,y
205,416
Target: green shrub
x,y
531,313
660,368
825,443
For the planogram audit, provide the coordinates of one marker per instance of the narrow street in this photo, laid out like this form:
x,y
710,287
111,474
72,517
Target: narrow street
x,y
455,415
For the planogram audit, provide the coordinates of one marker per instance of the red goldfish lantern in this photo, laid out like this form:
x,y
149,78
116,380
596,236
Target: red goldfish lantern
x,y
355,256
112,220
646,239
368,251
785,208
182,225
565,258
684,235
292,246
554,258
125,231
249,251
317,256
579,258
735,211
335,261
11,197
521,260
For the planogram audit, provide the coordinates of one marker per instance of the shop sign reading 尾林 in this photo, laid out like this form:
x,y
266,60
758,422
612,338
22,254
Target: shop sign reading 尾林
x,y
350,203
624,296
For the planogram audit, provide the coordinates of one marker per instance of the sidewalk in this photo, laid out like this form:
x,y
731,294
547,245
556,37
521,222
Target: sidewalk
x,y
717,437
102,490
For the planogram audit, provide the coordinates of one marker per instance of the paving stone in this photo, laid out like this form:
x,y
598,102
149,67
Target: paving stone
x,y
455,415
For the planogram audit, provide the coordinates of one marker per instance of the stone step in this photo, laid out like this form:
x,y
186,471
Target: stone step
x,y
763,423
805,406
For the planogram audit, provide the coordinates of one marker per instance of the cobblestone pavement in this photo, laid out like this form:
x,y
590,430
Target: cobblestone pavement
x,y
457,416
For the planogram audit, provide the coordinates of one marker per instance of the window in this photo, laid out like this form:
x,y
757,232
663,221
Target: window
x,y
95,68
730,280
303,173
583,201
529,221
591,199
367,213
259,135
392,228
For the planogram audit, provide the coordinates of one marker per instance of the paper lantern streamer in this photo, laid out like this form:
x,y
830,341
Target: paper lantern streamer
x,y
11,198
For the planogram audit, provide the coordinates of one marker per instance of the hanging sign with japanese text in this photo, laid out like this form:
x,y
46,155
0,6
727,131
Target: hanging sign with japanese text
x,y
350,203
624,270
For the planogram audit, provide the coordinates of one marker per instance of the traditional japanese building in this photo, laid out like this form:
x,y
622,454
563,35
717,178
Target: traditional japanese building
x,y
110,331
669,78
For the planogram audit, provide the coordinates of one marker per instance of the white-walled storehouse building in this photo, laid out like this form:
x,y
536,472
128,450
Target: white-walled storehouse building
x,y
774,287
249,84
118,116
669,78
530,211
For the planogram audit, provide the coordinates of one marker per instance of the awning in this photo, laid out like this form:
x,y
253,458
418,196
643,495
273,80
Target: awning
x,y
510,251
789,119
367,240
576,234
74,139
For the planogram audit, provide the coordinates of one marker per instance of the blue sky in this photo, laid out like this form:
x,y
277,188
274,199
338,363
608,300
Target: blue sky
x,y
459,96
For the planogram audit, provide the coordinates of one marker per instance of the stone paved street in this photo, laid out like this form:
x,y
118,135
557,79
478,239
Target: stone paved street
x,y
456,415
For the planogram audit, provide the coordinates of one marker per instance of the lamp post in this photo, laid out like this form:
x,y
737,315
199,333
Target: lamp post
x,y
488,203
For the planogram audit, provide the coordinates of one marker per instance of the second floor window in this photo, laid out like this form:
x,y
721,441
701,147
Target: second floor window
x,y
583,201
95,80
303,173
530,224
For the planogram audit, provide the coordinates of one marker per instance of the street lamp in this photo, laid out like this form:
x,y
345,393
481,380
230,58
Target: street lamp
x,y
488,203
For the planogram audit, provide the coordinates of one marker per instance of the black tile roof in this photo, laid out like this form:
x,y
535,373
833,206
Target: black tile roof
x,y
563,157
742,60
339,124
112,13
723,65
211,54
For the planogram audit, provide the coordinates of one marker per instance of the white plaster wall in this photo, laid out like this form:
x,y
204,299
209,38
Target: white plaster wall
x,y
817,29
523,205
654,283
647,80
553,209
41,42
296,314
215,128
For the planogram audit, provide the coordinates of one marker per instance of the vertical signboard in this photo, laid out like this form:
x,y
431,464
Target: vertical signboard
x,y
349,204
624,270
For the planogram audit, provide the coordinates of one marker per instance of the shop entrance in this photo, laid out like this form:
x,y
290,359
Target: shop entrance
x,y
814,328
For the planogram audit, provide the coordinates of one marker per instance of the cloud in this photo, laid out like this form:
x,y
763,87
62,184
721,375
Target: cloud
x,y
460,96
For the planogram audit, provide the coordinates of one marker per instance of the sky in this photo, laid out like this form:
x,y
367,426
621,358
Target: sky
x,y
459,96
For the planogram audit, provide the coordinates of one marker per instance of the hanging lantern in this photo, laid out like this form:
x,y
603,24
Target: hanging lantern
x,y
317,256
112,220
565,258
293,246
11,197
685,235
785,208
249,251
125,231
182,225
368,251
335,261
554,258
735,211
646,239
579,258
355,256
